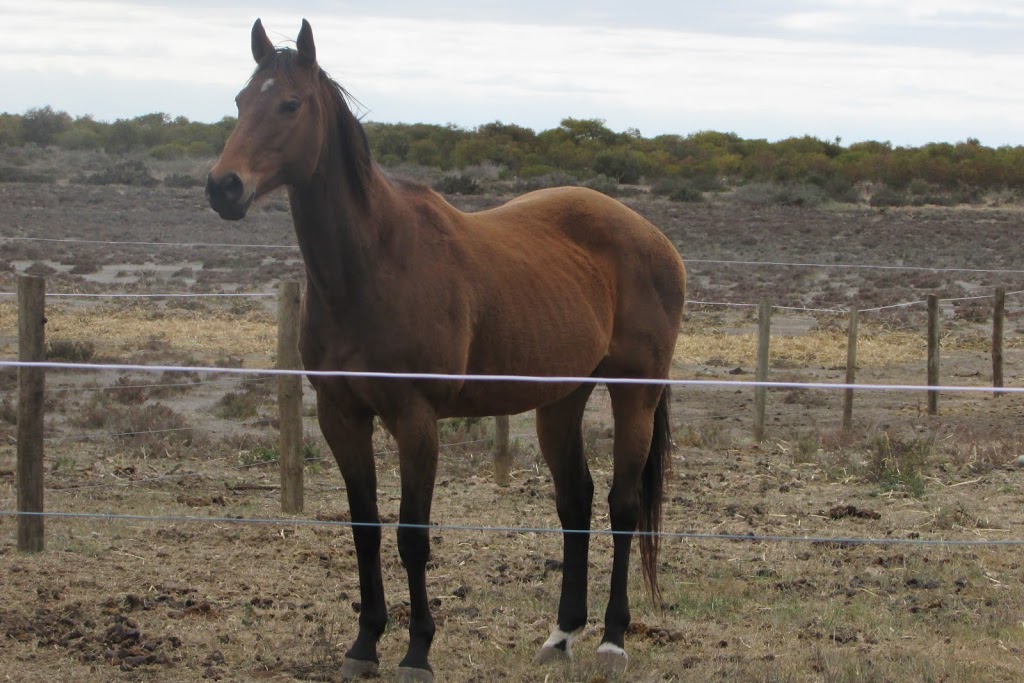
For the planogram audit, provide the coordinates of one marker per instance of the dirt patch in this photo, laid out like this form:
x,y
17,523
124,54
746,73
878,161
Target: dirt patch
x,y
207,591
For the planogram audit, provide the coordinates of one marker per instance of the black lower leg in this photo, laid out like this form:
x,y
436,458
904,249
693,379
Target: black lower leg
x,y
575,516
616,616
373,612
624,508
414,548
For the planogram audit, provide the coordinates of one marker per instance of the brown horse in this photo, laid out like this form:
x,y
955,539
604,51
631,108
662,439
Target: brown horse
x,y
561,282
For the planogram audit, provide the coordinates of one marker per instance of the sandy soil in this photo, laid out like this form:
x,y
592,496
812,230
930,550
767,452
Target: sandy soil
x,y
172,599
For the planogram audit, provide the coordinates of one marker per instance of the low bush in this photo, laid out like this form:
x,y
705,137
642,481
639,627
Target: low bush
x,y
125,172
538,182
14,174
236,406
70,351
766,194
678,190
624,166
183,181
457,184
604,185
886,197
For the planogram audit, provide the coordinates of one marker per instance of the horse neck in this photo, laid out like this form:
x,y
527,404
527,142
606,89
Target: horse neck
x,y
339,215
336,240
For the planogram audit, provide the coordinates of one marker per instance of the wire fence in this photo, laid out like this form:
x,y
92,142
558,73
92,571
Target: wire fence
x,y
665,535
693,536
269,373
689,302
543,379
834,309
729,262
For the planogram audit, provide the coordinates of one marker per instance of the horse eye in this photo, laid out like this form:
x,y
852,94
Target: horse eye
x,y
289,107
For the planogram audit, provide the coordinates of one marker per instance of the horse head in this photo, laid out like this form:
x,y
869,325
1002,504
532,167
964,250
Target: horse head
x,y
280,131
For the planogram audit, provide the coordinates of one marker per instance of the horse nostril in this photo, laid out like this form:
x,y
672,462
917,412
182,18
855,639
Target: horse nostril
x,y
227,196
227,190
232,187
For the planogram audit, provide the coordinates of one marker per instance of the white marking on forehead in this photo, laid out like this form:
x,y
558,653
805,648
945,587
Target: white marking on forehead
x,y
267,85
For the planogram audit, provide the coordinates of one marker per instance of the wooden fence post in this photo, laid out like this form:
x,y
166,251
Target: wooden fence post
x,y
933,353
31,387
764,325
851,369
289,399
502,452
998,318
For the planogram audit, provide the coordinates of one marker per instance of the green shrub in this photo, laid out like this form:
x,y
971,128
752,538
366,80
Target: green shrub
x,y
841,190
538,171
887,196
555,179
8,412
678,190
457,184
604,185
765,194
70,351
42,125
182,180
800,195
706,182
686,193
237,406
124,172
624,166
199,149
898,465
166,152
78,138
13,174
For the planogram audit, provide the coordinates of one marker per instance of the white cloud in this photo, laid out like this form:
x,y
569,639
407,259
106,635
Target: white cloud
x,y
141,58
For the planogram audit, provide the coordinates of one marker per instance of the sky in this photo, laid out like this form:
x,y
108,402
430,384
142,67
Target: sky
x,y
904,71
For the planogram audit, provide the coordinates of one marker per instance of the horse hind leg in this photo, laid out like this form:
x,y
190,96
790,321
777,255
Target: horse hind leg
x,y
560,433
641,421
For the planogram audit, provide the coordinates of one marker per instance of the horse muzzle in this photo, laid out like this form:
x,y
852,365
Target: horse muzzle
x,y
228,196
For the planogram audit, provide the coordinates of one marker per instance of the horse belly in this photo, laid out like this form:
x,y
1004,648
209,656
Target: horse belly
x,y
564,346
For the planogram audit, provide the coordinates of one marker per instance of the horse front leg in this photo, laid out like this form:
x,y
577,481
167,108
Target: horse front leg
x,y
416,433
351,442
560,432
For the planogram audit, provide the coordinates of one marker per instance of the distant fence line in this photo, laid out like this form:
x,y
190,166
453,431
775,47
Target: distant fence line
x,y
181,295
690,302
293,247
32,366
859,266
471,528
728,262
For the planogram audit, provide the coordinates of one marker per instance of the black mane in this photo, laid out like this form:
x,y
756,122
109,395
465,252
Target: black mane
x,y
351,149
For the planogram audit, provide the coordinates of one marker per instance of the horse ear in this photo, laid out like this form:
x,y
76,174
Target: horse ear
x,y
307,49
261,45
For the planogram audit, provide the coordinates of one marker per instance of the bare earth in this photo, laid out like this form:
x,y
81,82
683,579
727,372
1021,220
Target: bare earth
x,y
175,598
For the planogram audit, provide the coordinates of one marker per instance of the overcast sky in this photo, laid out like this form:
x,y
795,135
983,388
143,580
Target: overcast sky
x,y
910,71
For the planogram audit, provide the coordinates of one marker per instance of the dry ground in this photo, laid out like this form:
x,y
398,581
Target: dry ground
x,y
179,599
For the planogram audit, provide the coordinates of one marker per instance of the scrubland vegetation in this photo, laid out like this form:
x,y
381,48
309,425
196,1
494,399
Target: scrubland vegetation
x,y
795,171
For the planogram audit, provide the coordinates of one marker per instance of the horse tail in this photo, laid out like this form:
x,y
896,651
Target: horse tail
x,y
659,463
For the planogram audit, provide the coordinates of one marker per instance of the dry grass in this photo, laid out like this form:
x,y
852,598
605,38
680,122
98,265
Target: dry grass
x,y
243,602
243,331
217,331
217,600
